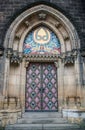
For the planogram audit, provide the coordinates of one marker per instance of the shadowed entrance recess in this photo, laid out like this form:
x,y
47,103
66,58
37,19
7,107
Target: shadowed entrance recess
x,y
41,87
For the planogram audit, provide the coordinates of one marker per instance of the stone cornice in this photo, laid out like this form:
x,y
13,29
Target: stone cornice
x,y
41,58
66,58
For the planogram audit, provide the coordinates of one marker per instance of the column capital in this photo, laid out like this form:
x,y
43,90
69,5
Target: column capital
x,y
56,64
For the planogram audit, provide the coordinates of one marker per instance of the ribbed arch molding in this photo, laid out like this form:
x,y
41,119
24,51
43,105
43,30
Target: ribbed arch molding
x,y
37,16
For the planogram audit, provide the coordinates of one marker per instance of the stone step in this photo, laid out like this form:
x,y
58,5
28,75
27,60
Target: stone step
x,y
43,127
41,115
42,121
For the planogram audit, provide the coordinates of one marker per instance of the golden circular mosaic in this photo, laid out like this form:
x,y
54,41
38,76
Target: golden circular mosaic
x,y
41,35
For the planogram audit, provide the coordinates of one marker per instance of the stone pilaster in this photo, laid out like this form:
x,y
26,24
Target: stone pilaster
x,y
78,75
1,81
60,74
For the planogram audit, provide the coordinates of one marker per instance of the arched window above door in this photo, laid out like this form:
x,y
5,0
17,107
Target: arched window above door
x,y
41,41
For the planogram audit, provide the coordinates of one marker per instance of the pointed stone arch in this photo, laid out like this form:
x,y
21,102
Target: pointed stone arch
x,y
42,14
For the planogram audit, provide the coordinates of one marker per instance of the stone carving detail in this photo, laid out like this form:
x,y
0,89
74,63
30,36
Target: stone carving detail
x,y
41,58
27,23
9,52
56,64
42,16
17,36
68,60
73,100
69,57
57,24
15,57
26,63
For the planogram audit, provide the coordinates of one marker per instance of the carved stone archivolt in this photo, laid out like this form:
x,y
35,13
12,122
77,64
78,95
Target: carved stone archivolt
x,y
52,19
42,15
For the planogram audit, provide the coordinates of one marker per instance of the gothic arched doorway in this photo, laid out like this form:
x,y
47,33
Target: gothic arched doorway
x,y
41,77
36,18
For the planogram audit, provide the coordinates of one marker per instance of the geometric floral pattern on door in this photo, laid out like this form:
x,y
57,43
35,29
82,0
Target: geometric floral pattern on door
x,y
41,87
50,87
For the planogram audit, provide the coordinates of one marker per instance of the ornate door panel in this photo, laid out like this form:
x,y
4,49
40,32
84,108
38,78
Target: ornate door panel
x,y
33,84
49,87
41,88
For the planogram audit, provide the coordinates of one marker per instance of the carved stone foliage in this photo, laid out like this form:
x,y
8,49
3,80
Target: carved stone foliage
x,y
69,57
42,15
40,58
15,57
68,60
73,100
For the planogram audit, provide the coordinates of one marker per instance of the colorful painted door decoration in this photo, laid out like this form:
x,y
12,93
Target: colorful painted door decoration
x,y
41,41
41,87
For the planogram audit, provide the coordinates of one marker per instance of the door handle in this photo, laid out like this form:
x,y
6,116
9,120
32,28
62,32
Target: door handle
x,y
42,90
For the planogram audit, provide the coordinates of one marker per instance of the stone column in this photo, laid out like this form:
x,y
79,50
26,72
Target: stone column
x,y
83,81
1,81
78,75
60,75
23,66
6,80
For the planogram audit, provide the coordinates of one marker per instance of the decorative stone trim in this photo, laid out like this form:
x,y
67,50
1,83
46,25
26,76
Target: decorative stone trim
x,y
56,64
27,23
9,116
15,57
41,58
42,16
48,14
69,57
57,24
68,60
74,115
17,36
9,52
76,100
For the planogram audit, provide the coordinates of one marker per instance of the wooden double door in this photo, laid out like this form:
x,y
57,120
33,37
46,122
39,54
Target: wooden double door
x,y
41,87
